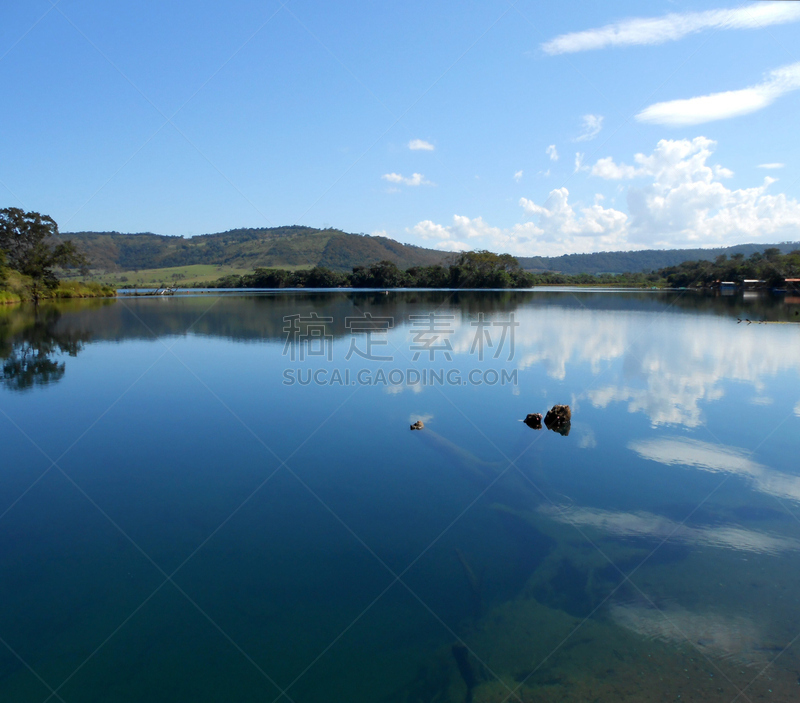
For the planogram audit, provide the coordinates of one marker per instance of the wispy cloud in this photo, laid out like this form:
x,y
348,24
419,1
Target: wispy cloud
x,y
518,176
721,106
552,152
772,165
415,179
579,162
592,124
674,26
420,145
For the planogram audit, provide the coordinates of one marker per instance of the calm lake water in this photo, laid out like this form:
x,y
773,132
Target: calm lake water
x,y
218,498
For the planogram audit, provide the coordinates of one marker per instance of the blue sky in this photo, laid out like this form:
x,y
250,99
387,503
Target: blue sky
x,y
674,123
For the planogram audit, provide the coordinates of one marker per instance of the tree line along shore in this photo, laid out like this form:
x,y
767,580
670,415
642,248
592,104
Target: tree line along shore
x,y
483,269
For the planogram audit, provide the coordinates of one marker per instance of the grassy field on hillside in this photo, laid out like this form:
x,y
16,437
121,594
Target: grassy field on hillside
x,y
172,276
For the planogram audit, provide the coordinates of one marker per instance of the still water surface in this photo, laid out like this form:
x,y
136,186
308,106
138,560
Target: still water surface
x,y
183,517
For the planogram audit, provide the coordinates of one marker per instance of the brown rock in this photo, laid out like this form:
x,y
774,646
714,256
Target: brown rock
x,y
558,419
534,421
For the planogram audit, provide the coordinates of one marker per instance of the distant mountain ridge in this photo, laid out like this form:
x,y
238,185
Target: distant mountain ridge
x,y
305,247
638,261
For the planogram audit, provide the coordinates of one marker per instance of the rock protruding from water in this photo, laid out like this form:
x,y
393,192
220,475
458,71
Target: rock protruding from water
x,y
418,425
558,419
534,421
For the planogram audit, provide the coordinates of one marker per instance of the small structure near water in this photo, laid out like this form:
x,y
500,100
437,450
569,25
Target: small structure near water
x,y
161,290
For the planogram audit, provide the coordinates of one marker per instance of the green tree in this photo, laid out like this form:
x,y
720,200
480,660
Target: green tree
x,y
384,274
435,276
3,269
266,278
31,246
485,269
318,277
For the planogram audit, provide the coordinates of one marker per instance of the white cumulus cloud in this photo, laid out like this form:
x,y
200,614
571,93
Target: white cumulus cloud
x,y
674,26
721,106
606,168
687,204
415,179
552,152
420,145
676,196
592,124
454,237
518,176
559,221
560,227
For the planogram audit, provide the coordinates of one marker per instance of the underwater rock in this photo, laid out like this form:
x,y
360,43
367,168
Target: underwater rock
x,y
558,419
534,421
418,425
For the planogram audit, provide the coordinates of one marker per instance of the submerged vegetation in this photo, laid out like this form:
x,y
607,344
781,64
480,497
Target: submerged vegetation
x,y
31,250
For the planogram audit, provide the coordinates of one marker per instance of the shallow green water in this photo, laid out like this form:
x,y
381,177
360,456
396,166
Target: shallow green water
x,y
184,516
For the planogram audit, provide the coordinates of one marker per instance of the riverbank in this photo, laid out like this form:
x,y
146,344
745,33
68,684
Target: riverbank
x,y
18,289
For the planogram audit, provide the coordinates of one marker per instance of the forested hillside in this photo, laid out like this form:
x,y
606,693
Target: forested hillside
x,y
293,247
299,247
638,261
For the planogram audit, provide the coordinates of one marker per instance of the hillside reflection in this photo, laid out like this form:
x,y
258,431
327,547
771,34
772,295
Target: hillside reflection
x,y
259,316
664,355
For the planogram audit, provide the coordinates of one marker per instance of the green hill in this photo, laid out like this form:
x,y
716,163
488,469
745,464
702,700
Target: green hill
x,y
299,247
638,261
246,249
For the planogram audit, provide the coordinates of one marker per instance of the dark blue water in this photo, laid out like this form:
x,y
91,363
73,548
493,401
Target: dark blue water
x,y
202,498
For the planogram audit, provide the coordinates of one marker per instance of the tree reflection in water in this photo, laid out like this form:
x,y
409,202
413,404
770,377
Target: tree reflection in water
x,y
32,347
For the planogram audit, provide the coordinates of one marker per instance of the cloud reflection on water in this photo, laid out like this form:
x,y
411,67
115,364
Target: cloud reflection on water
x,y
664,365
718,458
649,526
